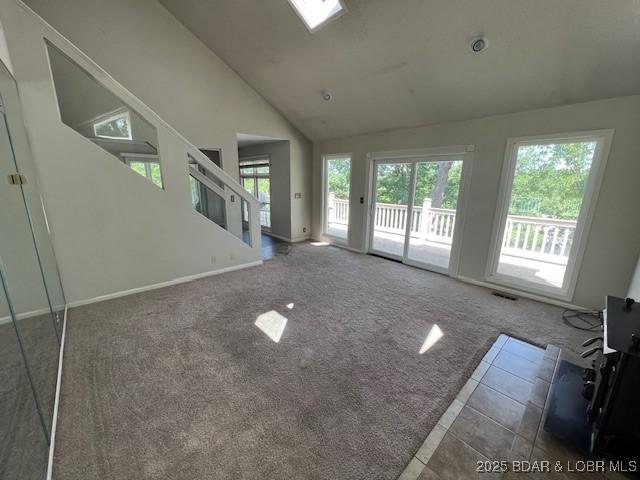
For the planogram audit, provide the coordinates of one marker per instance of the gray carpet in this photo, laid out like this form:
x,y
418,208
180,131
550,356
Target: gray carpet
x,y
23,446
179,383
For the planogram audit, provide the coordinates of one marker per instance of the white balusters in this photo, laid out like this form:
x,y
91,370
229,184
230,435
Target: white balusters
x,y
538,238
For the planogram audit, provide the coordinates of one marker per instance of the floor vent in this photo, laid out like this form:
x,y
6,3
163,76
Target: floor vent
x,y
504,295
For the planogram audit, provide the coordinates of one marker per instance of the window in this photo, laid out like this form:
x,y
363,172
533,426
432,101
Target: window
x,y
116,126
145,165
102,117
547,196
316,13
337,194
255,178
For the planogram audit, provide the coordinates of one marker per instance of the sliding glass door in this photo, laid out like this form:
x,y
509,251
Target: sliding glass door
x,y
547,197
391,196
435,206
415,212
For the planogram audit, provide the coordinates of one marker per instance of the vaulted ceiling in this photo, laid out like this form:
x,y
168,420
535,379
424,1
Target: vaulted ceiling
x,y
397,63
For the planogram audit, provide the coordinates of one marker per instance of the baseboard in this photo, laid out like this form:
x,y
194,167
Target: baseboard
x,y
346,247
300,239
518,293
33,313
54,422
287,239
338,244
169,283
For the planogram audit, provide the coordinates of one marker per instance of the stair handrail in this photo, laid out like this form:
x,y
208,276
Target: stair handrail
x,y
206,163
67,47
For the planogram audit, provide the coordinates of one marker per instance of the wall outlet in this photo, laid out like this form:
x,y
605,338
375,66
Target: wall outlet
x,y
304,229
232,256
213,259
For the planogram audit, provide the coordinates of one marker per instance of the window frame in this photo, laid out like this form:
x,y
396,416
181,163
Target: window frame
x,y
325,22
126,114
325,195
129,158
603,139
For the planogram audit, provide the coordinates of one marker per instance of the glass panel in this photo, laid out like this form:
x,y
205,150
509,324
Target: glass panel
x,y
546,196
23,445
245,211
32,304
434,212
208,203
264,196
96,113
391,199
22,162
250,185
222,206
337,195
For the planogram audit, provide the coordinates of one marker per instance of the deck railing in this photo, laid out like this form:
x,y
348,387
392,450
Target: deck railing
x,y
547,239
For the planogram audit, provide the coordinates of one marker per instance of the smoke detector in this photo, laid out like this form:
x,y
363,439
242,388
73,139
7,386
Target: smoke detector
x,y
478,44
326,96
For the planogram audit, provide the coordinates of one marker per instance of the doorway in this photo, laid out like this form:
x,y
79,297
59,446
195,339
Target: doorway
x,y
415,213
255,177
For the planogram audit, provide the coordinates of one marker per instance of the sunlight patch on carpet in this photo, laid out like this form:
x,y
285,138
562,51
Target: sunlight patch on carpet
x,y
434,335
272,324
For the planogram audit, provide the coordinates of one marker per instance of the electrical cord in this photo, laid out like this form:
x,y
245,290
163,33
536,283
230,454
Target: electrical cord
x,y
587,317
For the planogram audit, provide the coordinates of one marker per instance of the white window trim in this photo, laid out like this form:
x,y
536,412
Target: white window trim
x,y
585,217
111,118
325,192
326,21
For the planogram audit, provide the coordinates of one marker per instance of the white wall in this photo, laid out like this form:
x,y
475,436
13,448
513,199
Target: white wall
x,y
614,243
22,268
112,229
634,287
147,50
281,193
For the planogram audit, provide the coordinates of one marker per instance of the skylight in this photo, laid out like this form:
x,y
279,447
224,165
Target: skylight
x,y
316,13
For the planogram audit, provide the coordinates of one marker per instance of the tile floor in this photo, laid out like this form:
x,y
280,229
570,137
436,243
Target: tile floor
x,y
271,246
496,416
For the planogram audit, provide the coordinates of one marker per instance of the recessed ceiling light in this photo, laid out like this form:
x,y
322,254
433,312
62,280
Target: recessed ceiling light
x,y
316,13
478,44
326,96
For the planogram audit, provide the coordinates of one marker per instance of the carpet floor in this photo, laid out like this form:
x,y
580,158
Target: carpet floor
x,y
180,382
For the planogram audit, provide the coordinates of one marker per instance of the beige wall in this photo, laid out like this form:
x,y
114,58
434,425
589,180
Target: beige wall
x,y
614,242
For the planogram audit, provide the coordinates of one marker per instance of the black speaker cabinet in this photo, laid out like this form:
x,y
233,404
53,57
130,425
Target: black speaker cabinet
x,y
612,386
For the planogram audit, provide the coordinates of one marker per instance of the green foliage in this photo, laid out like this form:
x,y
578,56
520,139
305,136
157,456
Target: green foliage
x,y
153,173
550,180
394,180
339,176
